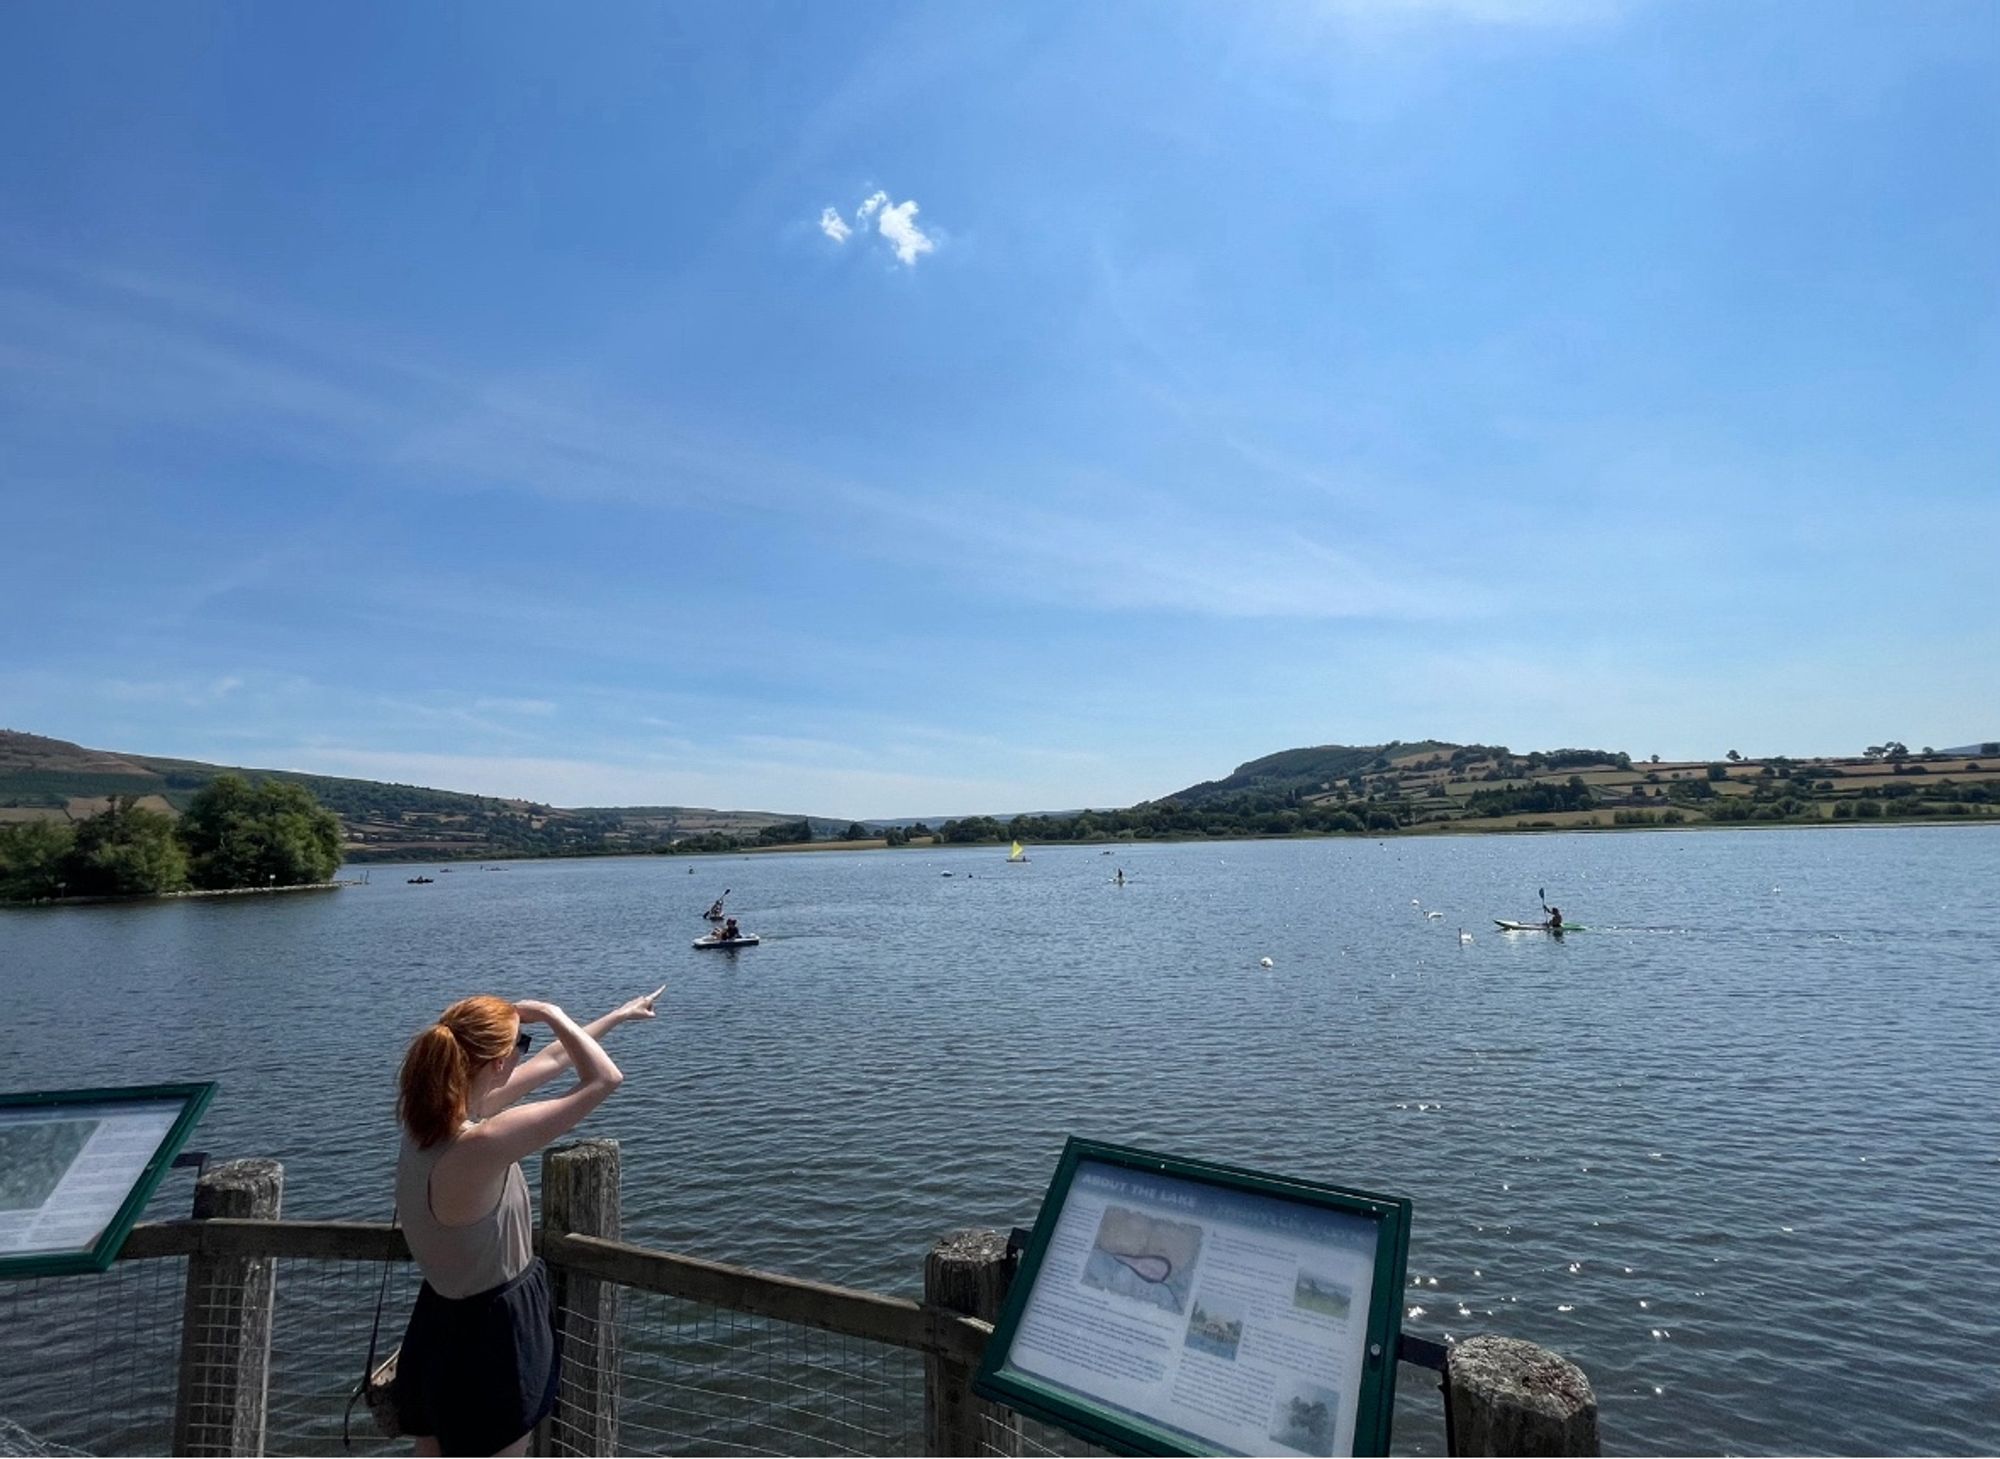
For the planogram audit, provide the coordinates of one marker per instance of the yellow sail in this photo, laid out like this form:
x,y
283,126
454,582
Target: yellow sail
x,y
1017,854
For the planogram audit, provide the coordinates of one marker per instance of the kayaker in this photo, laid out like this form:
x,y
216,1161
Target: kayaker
x,y
729,932
1555,919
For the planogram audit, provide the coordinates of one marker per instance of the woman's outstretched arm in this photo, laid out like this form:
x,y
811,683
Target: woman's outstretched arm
x,y
514,1134
532,1074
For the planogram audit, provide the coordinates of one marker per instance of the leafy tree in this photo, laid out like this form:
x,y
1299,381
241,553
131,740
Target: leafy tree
x,y
272,834
1734,756
126,851
855,832
33,860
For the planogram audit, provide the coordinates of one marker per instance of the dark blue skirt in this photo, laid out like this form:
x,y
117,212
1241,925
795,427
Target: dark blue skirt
x,y
478,1372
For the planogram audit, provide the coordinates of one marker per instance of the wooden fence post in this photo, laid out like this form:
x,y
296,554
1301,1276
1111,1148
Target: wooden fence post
x,y
225,1367
580,1197
967,1271
1506,1396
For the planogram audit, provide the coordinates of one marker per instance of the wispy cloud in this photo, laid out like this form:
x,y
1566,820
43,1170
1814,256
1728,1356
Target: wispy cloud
x,y
895,223
538,708
1497,13
1108,544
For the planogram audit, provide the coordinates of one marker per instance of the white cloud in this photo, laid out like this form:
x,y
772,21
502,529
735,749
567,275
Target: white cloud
x,y
895,222
898,225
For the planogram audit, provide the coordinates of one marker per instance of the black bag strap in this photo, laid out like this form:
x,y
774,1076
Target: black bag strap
x,y
374,1336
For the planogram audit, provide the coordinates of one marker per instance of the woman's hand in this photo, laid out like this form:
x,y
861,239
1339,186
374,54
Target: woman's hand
x,y
533,1010
640,1007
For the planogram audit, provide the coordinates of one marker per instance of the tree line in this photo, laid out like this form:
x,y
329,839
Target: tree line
x,y
232,835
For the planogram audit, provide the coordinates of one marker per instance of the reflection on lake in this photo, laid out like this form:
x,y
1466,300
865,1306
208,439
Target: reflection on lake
x,y
1732,1149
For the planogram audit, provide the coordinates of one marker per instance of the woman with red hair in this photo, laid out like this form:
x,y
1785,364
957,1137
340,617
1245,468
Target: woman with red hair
x,y
479,1366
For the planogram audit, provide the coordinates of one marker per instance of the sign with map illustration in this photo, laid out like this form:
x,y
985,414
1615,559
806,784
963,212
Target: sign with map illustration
x,y
1171,1306
77,1167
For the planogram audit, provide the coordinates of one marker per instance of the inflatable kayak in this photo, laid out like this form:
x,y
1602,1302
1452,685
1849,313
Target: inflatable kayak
x,y
1505,926
748,939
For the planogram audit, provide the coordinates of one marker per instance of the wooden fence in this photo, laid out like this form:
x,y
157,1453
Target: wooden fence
x,y
1501,1395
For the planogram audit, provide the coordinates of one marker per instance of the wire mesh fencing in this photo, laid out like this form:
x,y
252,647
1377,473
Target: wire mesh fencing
x,y
88,1363
94,1363
696,1378
319,1346
1016,1434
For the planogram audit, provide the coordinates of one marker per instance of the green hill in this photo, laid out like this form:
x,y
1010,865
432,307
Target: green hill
x,y
1405,785
41,777
1311,771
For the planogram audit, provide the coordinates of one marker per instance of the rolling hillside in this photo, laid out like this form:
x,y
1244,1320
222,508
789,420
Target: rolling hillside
x,y
42,777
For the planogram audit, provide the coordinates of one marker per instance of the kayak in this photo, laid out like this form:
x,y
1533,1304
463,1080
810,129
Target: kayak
x,y
748,939
1505,926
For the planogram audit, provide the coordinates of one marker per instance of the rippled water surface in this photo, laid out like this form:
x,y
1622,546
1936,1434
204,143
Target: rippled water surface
x,y
1733,1148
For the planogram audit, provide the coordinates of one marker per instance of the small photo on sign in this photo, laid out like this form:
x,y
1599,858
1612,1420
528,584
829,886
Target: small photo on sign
x,y
1306,1417
1216,1328
1316,1293
1144,1257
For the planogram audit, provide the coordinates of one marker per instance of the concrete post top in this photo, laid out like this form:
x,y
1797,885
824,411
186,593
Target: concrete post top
x,y
1509,1370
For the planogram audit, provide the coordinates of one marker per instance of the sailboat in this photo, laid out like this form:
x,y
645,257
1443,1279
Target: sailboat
x,y
1019,853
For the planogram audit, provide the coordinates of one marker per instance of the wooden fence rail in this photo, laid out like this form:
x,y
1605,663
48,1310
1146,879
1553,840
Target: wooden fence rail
x,y
1501,1395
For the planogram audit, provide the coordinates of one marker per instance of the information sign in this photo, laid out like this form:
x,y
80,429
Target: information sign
x,y
1169,1306
77,1167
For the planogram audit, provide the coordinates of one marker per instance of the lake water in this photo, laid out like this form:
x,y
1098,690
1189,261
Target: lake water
x,y
1733,1148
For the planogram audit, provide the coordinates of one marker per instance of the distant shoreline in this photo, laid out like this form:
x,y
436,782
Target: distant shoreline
x,y
1427,830
191,892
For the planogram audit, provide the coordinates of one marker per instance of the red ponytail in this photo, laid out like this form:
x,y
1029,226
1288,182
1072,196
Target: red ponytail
x,y
436,1081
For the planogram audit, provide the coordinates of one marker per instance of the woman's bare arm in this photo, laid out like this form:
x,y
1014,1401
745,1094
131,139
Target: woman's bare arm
x,y
532,1074
488,1148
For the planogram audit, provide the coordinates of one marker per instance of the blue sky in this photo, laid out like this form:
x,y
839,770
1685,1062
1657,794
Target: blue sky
x,y
484,395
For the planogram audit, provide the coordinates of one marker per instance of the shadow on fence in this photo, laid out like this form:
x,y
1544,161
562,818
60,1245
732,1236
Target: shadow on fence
x,y
240,1333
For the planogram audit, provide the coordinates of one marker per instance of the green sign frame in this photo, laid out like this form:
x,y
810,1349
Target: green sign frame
x,y
97,1253
1125,1430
